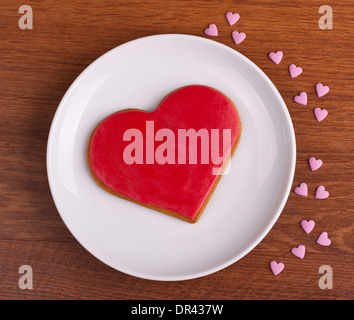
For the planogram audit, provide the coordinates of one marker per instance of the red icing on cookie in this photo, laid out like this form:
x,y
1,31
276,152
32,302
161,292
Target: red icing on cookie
x,y
179,188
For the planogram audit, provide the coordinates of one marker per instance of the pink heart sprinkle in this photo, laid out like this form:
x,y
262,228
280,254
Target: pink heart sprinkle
x,y
321,89
321,193
301,190
299,251
301,98
276,56
320,114
276,267
323,239
211,31
315,163
232,18
294,70
238,37
307,225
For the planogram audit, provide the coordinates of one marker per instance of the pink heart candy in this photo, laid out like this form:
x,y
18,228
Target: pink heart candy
x,y
276,267
307,225
299,251
321,193
323,239
276,56
238,37
301,190
320,114
315,163
294,70
321,89
211,31
301,98
232,18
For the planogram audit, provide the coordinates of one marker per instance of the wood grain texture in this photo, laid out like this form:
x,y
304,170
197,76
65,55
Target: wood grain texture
x,y
37,66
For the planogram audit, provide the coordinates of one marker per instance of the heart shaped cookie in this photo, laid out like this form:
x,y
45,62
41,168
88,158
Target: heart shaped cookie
x,y
170,159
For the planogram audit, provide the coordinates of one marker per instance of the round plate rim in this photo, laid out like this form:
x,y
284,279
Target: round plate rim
x,y
260,236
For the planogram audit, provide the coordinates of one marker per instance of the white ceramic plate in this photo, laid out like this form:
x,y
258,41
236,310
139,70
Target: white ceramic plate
x,y
247,202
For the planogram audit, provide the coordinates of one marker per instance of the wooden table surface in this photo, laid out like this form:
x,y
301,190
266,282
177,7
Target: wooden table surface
x,y
37,67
